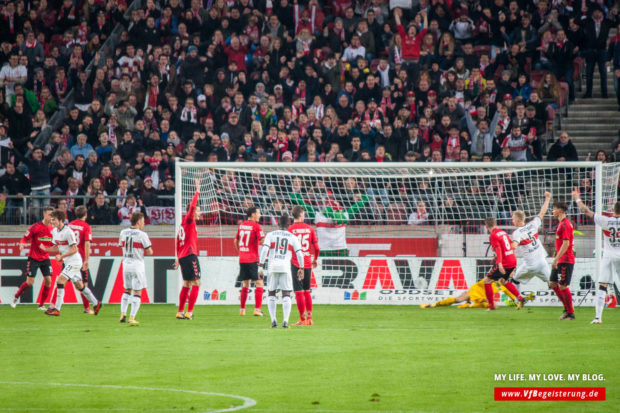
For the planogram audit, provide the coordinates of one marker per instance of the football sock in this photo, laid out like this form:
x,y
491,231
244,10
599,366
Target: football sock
x,y
511,287
488,291
308,302
85,302
183,298
244,296
86,292
517,284
560,296
22,289
258,298
193,295
445,302
60,295
286,307
271,304
44,294
569,300
135,305
125,302
301,304
599,302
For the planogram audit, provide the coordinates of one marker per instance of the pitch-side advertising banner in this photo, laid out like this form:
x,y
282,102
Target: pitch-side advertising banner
x,y
343,280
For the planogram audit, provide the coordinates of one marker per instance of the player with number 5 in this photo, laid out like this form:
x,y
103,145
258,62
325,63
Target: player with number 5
x,y
249,236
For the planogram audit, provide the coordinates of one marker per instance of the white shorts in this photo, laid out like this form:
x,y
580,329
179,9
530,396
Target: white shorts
x,y
280,281
72,272
609,267
526,272
134,278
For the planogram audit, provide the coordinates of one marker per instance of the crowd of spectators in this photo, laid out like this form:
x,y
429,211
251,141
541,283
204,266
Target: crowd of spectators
x,y
275,80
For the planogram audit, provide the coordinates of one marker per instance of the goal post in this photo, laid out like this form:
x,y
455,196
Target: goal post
x,y
401,233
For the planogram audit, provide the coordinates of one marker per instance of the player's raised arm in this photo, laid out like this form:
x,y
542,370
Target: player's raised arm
x,y
582,207
545,206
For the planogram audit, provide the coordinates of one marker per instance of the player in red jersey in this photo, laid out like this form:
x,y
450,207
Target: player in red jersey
x,y
249,237
83,235
39,235
187,259
505,264
564,261
307,237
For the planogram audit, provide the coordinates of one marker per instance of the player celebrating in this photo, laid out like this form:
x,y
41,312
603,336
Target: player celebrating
x,y
83,234
564,260
65,245
475,297
39,235
187,259
525,242
505,263
135,244
249,236
307,238
610,264
278,245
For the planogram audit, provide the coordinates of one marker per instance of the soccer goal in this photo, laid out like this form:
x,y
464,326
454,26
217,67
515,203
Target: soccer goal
x,y
394,233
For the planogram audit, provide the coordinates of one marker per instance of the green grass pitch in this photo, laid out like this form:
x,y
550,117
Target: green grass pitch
x,y
354,359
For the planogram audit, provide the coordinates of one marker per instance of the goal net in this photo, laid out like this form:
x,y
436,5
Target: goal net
x,y
402,233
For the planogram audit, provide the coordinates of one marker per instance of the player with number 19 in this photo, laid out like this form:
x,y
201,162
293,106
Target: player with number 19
x,y
610,264
249,236
279,246
187,258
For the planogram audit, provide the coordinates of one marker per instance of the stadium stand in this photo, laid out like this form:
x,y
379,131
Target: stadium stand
x,y
103,97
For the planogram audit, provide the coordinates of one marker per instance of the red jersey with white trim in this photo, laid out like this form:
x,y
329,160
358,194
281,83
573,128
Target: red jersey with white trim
x,y
38,235
611,231
248,237
187,236
565,231
307,238
83,233
504,254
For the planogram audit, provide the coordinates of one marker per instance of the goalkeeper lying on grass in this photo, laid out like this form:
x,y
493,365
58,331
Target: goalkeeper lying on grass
x,y
474,298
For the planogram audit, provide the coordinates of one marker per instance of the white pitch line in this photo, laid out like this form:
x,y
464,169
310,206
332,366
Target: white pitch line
x,y
247,402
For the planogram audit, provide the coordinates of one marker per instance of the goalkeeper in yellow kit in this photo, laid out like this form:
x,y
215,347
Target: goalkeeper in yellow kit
x,y
475,297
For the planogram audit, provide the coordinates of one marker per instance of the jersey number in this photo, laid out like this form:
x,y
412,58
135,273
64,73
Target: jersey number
x,y
304,240
129,246
181,235
244,242
281,246
614,235
506,242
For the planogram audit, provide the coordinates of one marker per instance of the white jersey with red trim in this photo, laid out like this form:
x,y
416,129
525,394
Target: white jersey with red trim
x,y
134,242
611,234
64,239
530,247
331,236
279,246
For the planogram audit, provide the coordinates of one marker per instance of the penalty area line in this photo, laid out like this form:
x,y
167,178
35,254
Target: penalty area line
x,y
247,402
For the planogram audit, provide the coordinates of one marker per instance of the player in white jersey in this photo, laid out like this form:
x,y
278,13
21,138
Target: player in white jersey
x,y
529,248
278,246
135,243
610,264
65,245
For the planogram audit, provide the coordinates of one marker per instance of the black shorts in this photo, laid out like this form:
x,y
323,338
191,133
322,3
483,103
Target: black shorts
x,y
303,285
563,274
495,274
190,268
248,271
33,265
85,276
